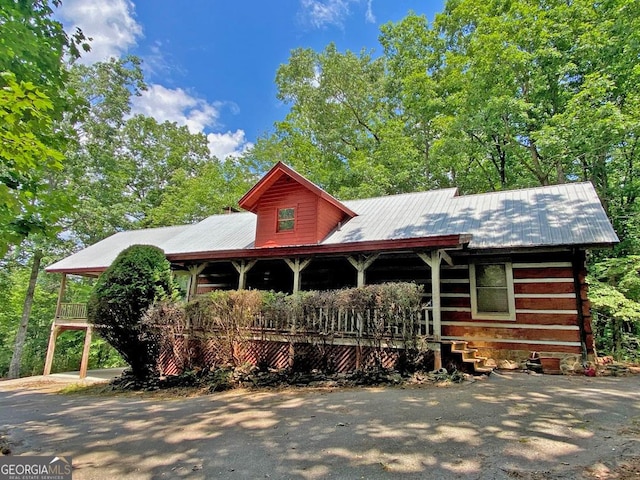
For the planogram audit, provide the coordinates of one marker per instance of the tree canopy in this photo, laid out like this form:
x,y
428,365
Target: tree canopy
x,y
33,94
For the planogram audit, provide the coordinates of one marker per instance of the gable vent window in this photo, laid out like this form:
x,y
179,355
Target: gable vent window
x,y
492,295
286,219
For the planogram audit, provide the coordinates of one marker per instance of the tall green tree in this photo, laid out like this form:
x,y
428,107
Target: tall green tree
x,y
33,95
340,132
34,54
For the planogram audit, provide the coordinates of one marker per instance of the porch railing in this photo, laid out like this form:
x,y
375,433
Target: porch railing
x,y
350,323
320,321
72,311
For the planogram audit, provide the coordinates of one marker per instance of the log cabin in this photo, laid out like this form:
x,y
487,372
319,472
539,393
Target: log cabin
x,y
503,272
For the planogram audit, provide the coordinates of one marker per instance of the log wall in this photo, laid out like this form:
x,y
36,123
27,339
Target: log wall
x,y
546,303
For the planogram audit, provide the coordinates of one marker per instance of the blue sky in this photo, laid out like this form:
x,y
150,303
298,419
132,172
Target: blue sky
x,y
211,64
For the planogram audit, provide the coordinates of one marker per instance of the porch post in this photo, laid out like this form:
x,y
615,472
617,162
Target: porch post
x,y
195,271
51,348
55,330
63,286
297,266
243,267
361,264
433,260
84,363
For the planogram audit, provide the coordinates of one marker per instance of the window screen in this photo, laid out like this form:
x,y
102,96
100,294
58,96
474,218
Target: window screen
x,y
492,293
492,289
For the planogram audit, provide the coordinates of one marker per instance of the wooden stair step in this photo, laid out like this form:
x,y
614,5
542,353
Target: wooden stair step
x,y
469,356
468,353
472,360
466,350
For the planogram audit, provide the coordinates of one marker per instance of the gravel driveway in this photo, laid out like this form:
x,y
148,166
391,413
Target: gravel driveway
x,y
511,425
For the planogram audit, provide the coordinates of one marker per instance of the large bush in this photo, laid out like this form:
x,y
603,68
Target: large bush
x,y
139,277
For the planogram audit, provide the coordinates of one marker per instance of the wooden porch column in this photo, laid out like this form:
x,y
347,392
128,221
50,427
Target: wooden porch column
x,y
243,267
84,363
297,266
194,271
361,264
51,348
63,286
55,330
433,260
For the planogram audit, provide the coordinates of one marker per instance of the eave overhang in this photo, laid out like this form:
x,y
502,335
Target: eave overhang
x,y
428,243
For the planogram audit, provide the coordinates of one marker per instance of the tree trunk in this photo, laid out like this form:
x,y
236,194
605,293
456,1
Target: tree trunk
x,y
14,367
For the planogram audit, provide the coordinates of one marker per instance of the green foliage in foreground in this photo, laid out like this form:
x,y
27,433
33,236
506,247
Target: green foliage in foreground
x,y
138,277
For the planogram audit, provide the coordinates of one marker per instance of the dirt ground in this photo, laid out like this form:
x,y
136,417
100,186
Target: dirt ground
x,y
508,426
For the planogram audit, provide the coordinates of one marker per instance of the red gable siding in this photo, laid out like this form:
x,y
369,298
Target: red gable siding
x,y
315,218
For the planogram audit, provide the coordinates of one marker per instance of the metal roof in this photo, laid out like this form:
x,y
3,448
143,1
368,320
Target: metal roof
x,y
559,215
567,214
234,231
99,256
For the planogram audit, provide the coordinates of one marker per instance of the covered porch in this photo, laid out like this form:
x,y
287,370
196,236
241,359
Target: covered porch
x,y
272,269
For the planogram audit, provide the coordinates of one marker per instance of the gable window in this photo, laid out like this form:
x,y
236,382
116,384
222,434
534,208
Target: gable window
x,y
492,291
286,219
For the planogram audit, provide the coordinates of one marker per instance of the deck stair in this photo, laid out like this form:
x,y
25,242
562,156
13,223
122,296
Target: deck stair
x,y
467,358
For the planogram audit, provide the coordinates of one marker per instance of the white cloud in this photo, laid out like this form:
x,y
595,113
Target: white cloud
x,y
177,105
323,13
110,24
114,30
229,144
369,16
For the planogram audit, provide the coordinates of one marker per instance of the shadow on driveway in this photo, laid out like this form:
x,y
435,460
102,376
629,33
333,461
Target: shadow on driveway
x,y
509,426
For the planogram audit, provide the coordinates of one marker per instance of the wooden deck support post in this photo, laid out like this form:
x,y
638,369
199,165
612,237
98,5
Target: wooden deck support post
x,y
51,348
361,264
55,329
243,267
194,271
433,260
297,266
84,363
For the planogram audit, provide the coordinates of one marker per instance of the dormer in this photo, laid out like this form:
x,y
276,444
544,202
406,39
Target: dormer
x,y
292,210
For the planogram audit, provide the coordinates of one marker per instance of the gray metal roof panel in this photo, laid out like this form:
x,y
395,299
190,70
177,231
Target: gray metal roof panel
x,y
235,231
568,214
100,255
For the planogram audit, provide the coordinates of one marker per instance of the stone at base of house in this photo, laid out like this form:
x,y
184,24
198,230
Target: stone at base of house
x,y
569,363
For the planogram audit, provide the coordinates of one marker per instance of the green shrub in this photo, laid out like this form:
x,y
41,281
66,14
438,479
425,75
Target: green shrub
x,y
138,278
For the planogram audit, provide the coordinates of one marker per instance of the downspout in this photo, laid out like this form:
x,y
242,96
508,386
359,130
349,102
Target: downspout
x,y
578,262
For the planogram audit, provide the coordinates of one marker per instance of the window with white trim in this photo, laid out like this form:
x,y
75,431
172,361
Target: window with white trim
x,y
492,295
286,219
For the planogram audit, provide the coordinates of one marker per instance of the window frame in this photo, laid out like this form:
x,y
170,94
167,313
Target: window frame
x,y
511,300
292,219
